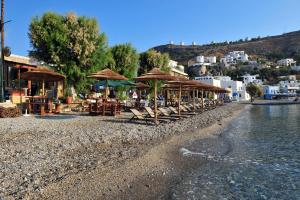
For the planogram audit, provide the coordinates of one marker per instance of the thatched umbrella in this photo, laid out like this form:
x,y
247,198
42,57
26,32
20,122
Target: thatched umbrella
x,y
42,74
142,86
107,74
155,74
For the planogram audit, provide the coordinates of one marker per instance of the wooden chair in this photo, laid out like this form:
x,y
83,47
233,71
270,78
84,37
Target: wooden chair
x,y
151,114
167,114
173,110
182,108
138,116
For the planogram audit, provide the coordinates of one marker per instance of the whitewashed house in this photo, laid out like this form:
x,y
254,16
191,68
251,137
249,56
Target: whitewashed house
x,y
233,57
289,87
286,62
209,80
237,88
295,68
270,91
203,60
247,78
177,70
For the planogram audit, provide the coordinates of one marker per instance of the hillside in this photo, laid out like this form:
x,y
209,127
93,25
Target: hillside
x,y
273,47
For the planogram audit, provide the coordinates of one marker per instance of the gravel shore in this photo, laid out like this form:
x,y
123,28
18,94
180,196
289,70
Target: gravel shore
x,y
37,153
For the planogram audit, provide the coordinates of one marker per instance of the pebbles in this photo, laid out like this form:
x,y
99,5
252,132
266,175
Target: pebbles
x,y
35,151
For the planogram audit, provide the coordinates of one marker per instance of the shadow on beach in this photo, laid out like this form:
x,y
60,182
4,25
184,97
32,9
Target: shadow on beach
x,y
127,121
56,117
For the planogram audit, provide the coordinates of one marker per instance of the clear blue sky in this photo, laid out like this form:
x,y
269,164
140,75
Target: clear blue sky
x,y
147,23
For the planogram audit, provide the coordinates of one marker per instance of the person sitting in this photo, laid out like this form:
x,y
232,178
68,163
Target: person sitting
x,y
112,94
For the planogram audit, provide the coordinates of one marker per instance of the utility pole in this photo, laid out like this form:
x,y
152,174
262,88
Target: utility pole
x,y
2,98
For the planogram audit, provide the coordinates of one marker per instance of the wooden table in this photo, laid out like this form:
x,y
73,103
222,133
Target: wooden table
x,y
101,107
39,104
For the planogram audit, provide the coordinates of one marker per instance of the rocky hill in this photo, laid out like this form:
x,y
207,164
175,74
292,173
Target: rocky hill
x,y
273,48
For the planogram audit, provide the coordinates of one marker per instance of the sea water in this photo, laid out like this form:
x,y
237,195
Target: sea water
x,y
256,157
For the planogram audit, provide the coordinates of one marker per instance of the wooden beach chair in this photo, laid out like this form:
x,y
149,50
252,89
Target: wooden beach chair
x,y
188,108
152,115
175,112
197,108
164,112
184,110
138,116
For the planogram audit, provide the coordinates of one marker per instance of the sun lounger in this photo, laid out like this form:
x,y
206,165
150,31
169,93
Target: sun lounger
x,y
174,110
138,116
189,109
151,114
197,108
167,114
186,111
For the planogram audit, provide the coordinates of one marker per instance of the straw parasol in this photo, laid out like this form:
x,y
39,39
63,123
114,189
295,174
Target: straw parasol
x,y
107,74
155,74
142,86
42,74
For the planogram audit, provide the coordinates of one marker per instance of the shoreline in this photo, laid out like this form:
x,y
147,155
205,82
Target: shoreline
x,y
147,176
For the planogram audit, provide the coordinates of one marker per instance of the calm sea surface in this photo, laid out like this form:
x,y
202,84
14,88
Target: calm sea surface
x,y
256,157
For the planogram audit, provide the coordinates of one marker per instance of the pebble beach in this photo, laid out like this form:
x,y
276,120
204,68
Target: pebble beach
x,y
38,154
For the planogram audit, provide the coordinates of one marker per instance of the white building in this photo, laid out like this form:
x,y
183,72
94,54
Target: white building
x,y
251,79
200,59
295,68
289,87
203,60
211,59
286,62
177,70
233,57
209,80
270,91
237,88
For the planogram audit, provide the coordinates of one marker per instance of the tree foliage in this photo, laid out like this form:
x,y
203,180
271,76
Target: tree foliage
x,y
254,91
151,59
71,45
126,59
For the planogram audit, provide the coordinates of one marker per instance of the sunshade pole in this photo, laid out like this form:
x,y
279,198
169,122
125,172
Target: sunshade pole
x,y
194,99
179,99
43,87
106,84
19,76
166,97
214,93
202,101
155,101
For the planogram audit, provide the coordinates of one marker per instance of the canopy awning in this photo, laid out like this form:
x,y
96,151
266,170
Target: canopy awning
x,y
114,83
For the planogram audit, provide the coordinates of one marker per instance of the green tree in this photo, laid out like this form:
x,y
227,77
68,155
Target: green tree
x,y
126,59
72,45
254,91
151,59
